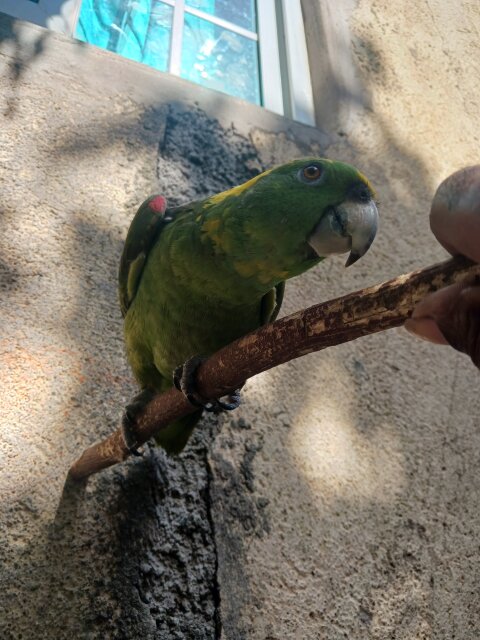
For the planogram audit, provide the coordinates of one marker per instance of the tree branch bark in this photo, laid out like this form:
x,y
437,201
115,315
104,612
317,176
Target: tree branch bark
x,y
357,314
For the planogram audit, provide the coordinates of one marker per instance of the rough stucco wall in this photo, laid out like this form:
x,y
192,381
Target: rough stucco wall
x,y
341,499
85,137
375,508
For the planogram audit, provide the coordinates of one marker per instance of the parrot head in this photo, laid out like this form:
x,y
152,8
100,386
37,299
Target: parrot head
x,y
288,218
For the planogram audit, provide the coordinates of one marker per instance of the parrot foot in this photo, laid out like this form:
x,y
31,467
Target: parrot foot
x,y
128,433
129,419
184,380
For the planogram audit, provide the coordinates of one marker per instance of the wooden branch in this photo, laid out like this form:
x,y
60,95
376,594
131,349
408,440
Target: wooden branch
x,y
324,325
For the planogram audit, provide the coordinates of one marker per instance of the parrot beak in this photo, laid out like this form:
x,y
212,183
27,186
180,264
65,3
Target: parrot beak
x,y
351,226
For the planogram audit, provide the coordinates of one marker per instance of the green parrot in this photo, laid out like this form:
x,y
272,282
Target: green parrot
x,y
195,277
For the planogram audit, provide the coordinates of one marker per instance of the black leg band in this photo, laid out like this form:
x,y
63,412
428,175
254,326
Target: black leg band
x,y
184,379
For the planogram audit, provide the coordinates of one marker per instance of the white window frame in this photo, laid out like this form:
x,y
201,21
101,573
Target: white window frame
x,y
284,69
300,104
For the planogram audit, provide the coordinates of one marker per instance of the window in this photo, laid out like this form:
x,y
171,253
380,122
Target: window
x,y
211,42
254,50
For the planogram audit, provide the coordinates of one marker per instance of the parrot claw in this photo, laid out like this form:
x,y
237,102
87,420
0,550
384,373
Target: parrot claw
x,y
233,403
184,381
129,434
129,419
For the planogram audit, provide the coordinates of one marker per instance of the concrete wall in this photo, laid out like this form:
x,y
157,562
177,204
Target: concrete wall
x,y
341,499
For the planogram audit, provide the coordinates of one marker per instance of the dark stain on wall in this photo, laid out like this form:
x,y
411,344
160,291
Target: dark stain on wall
x,y
208,157
172,512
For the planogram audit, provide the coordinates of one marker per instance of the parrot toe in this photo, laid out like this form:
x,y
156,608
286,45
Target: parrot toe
x,y
234,400
129,418
128,432
184,379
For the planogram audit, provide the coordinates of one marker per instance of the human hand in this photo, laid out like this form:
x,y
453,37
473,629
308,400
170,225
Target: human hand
x,y
452,315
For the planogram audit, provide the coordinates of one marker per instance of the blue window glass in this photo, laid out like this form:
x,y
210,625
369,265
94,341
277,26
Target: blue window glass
x,y
219,56
239,12
220,59
139,30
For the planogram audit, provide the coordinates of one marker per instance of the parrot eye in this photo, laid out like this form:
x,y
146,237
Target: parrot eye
x,y
311,173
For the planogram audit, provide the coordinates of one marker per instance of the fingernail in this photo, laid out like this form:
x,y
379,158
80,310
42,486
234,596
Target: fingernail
x,y
425,328
471,296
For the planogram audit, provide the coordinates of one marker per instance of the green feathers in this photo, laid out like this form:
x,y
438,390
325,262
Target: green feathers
x,y
196,277
142,234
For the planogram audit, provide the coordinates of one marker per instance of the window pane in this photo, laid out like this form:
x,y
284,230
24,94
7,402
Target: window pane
x,y
137,29
240,12
220,59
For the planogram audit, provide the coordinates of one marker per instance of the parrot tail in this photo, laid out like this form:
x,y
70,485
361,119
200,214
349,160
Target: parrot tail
x,y
174,438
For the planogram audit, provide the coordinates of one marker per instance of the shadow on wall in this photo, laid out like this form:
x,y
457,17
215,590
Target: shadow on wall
x,y
140,550
134,548
22,55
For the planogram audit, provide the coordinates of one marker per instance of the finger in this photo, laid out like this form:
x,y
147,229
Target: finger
x,y
423,320
439,303
471,297
462,326
427,329
455,213
428,317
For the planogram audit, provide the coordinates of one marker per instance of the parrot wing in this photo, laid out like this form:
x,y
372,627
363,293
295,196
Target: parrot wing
x,y
271,303
144,230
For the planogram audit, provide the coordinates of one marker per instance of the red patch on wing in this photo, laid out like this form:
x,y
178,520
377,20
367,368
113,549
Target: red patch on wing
x,y
158,204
